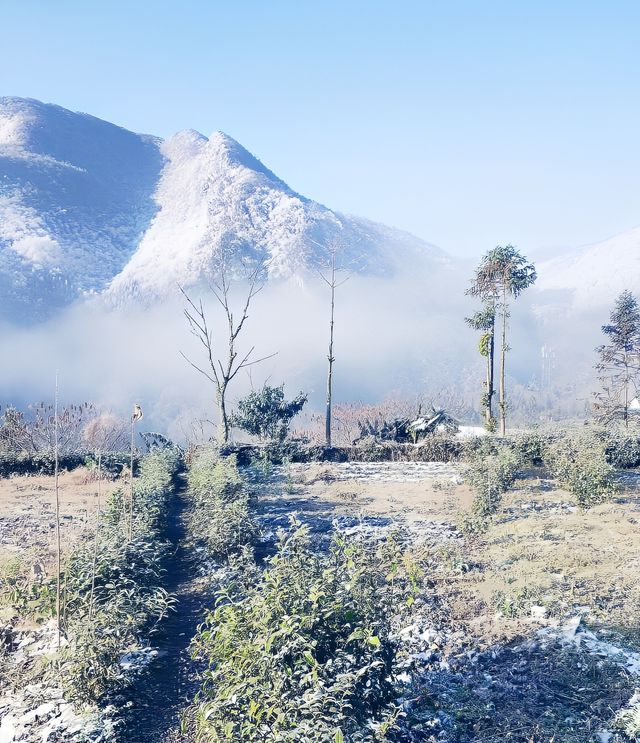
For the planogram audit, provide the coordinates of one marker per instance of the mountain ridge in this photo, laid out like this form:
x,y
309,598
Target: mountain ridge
x,y
87,207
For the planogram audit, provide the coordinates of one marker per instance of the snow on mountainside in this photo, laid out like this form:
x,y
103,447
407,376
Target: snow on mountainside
x,y
87,207
215,195
75,198
594,275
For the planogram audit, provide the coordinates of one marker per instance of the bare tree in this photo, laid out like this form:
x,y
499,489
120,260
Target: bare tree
x,y
221,369
333,283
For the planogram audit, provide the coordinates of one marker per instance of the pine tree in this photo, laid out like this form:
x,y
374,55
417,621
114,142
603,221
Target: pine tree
x,y
619,364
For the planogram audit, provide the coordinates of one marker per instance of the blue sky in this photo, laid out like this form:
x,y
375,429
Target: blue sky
x,y
467,123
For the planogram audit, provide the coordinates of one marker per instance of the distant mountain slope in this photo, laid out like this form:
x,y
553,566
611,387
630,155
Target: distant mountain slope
x,y
75,198
88,207
595,275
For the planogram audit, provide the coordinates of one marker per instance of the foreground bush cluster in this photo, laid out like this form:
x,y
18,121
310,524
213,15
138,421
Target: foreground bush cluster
x,y
112,586
299,648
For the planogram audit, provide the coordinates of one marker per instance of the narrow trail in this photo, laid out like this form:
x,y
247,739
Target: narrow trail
x,y
161,694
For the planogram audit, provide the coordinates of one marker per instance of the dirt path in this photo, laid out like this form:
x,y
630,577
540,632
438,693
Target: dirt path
x,y
161,694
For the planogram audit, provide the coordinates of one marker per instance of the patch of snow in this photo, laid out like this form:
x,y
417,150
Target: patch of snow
x,y
594,275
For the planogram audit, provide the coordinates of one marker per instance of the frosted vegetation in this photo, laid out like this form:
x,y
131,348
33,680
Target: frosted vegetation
x,y
451,564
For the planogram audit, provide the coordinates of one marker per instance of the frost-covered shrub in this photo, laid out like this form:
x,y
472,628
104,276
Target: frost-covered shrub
x,y
221,517
580,465
628,719
303,653
622,448
113,593
531,446
490,471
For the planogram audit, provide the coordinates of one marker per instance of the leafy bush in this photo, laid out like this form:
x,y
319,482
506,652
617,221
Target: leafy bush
x,y
221,517
531,446
580,464
303,653
267,414
490,472
113,594
622,449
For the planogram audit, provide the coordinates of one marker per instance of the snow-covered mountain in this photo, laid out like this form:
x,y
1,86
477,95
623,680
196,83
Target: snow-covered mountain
x,y
87,207
592,276
76,195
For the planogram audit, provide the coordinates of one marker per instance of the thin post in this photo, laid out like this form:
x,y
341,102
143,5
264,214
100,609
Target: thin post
x,y
327,426
96,537
56,480
503,402
133,442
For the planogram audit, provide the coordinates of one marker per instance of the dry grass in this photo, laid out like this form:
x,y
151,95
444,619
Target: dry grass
x,y
413,501
27,528
540,550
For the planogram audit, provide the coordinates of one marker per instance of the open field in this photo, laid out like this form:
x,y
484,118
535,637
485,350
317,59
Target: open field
x,y
541,549
544,603
27,513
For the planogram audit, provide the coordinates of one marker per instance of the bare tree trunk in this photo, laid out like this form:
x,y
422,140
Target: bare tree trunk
x,y
56,476
223,423
490,372
503,354
330,357
626,392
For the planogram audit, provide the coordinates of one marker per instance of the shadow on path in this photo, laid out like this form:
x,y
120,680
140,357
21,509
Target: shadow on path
x,y
171,682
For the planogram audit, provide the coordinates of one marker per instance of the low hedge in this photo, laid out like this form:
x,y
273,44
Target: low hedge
x,y
44,463
434,449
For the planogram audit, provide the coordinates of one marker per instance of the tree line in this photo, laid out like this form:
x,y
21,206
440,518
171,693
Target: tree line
x,y
501,276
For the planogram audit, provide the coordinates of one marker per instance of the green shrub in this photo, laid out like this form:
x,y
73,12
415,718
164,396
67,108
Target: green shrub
x,y
622,449
580,465
531,446
304,652
490,472
265,413
221,517
128,599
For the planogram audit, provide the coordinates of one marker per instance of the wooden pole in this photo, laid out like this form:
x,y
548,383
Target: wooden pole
x,y
56,480
330,357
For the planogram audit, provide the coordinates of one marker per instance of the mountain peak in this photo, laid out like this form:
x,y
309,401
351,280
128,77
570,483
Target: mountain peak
x,y
240,156
87,207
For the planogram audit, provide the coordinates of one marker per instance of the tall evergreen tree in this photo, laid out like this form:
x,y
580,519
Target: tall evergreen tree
x,y
485,321
503,274
619,364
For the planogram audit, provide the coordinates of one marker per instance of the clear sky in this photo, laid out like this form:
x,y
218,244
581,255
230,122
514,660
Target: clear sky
x,y
468,123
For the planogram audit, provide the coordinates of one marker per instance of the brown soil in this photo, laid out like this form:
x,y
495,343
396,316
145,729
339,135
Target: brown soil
x,y
428,498
27,516
540,550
